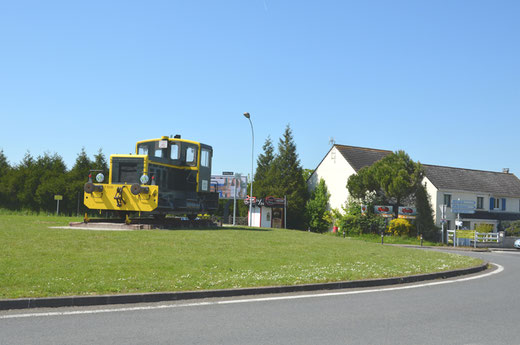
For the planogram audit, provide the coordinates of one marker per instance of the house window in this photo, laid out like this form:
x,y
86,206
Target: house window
x,y
480,202
447,200
497,204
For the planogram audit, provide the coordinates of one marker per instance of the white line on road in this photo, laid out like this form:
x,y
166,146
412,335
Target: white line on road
x,y
251,300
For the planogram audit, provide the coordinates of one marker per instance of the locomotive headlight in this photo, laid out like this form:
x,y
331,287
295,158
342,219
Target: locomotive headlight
x,y
100,177
144,179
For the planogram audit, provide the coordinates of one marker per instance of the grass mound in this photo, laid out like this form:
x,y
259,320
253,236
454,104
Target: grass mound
x,y
37,261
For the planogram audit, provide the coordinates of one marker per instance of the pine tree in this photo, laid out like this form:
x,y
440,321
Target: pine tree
x,y
288,180
5,170
100,162
51,172
77,178
263,182
24,183
424,221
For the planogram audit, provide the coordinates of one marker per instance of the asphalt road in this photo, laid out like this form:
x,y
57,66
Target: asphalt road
x,y
480,310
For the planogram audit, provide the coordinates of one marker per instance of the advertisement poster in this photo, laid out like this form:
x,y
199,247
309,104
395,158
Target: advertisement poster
x,y
385,211
226,185
407,212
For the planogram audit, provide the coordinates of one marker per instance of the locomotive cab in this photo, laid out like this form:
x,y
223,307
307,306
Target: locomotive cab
x,y
166,175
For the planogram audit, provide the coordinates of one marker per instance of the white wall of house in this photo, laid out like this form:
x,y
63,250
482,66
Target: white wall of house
x,y
438,198
335,170
432,192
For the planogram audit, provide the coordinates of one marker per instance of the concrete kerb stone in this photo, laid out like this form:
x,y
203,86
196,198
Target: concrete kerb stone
x,y
80,301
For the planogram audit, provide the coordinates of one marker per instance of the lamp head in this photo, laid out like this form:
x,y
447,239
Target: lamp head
x,y
247,115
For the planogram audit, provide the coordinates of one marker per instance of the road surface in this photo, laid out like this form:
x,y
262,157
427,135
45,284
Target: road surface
x,y
480,309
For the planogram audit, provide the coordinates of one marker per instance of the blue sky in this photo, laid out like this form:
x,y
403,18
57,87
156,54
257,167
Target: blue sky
x,y
438,79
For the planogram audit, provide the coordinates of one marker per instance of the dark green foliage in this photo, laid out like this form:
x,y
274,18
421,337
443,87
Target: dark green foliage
x,y
355,223
265,175
100,163
32,184
51,175
5,170
394,180
281,175
424,222
289,180
307,173
78,176
512,228
316,209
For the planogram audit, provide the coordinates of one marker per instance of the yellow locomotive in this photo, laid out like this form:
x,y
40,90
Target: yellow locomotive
x,y
164,176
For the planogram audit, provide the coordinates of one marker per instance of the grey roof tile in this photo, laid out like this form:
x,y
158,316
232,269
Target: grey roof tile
x,y
360,157
496,183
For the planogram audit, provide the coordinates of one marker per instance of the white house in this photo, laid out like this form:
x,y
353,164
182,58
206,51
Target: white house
x,y
496,194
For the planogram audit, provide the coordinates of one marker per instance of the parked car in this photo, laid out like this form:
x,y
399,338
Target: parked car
x,y
517,244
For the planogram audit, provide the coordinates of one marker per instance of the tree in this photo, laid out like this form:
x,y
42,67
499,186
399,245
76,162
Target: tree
x,y
100,162
5,170
288,180
316,209
424,221
264,184
394,179
51,174
23,183
77,177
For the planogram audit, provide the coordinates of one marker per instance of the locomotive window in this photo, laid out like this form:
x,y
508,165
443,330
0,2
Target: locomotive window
x,y
191,155
174,153
143,150
204,158
159,150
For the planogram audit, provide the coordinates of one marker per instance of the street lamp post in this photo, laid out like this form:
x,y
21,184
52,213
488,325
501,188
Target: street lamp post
x,y
250,220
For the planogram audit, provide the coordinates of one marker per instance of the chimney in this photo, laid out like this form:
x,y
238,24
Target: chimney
x,y
505,170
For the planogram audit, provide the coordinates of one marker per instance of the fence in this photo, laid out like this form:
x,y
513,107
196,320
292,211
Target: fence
x,y
477,237
238,220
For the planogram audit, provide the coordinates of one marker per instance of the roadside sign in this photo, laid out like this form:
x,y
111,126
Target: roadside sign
x,y
407,212
58,198
385,211
228,173
463,206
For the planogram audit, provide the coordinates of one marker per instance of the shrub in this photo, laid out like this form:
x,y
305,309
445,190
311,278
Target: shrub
x,y
484,228
512,228
400,227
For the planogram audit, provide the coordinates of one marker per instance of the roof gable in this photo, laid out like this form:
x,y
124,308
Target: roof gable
x,y
360,157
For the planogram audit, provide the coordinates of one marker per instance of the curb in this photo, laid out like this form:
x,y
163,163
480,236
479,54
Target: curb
x,y
81,301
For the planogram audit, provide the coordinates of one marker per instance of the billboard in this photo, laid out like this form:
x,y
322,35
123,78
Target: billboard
x,y
407,212
226,185
385,211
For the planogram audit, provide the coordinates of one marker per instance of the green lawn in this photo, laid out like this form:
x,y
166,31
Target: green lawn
x,y
37,261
